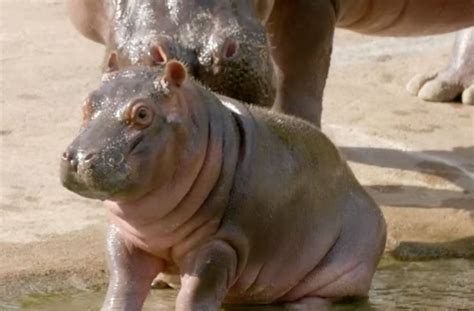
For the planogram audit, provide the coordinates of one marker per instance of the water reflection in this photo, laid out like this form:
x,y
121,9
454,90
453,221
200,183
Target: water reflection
x,y
447,284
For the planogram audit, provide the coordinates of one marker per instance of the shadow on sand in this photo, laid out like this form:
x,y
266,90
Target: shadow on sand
x,y
456,166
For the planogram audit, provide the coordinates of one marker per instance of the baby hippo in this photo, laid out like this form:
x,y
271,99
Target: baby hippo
x,y
250,206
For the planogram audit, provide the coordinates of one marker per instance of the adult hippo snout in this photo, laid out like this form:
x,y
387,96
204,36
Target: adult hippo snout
x,y
216,53
164,48
237,65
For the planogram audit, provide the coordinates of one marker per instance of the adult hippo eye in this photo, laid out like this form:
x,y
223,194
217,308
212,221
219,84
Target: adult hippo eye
x,y
141,115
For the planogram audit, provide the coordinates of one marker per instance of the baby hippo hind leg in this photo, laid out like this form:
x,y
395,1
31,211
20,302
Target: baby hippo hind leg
x,y
348,268
456,79
131,272
206,276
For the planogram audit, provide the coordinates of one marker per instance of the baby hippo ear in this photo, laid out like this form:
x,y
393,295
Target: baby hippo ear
x,y
175,73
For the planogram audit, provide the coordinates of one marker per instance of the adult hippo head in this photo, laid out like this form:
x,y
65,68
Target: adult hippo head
x,y
222,42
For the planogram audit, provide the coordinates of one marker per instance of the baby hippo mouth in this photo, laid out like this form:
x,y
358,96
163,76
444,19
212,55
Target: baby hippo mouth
x,y
135,144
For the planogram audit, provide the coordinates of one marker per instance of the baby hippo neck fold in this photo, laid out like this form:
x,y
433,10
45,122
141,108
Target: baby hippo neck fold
x,y
168,215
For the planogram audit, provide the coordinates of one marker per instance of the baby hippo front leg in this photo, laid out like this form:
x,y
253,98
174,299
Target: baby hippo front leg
x,y
206,275
131,272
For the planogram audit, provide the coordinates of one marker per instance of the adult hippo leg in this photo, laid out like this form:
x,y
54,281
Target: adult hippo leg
x,y
207,274
418,18
301,34
457,78
131,272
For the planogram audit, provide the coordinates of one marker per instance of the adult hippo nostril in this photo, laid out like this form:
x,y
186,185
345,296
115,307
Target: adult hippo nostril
x,y
230,48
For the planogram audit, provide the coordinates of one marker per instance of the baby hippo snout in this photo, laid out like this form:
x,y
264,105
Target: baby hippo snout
x,y
92,174
76,168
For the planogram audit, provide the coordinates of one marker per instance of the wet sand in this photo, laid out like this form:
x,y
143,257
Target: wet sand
x,y
415,158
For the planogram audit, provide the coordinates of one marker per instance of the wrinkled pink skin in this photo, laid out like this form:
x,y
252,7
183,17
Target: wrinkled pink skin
x,y
456,79
261,208
301,34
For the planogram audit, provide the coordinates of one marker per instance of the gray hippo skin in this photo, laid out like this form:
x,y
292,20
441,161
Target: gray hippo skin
x,y
250,206
224,43
456,79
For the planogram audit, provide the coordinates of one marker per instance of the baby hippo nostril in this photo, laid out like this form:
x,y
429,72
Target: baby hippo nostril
x,y
70,158
89,157
66,156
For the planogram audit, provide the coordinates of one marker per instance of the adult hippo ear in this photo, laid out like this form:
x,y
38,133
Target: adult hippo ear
x,y
158,54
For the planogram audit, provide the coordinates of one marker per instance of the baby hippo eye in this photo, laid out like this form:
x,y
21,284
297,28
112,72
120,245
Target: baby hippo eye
x,y
141,115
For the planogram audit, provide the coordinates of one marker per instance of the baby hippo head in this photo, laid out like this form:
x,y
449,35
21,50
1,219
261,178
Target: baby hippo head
x,y
130,136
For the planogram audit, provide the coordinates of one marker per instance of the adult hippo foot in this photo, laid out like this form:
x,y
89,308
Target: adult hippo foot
x,y
456,79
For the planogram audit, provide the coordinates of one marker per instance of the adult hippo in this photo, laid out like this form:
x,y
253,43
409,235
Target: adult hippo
x,y
224,42
250,206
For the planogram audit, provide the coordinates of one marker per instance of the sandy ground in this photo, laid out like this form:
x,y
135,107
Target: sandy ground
x,y
415,158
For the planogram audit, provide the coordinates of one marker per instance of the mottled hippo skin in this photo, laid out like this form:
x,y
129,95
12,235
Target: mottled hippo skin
x,y
225,42
250,206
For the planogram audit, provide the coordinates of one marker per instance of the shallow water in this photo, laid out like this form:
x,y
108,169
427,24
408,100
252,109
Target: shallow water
x,y
446,284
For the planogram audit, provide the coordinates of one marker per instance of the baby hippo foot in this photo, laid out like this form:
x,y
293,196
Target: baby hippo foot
x,y
457,79
166,281
309,304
